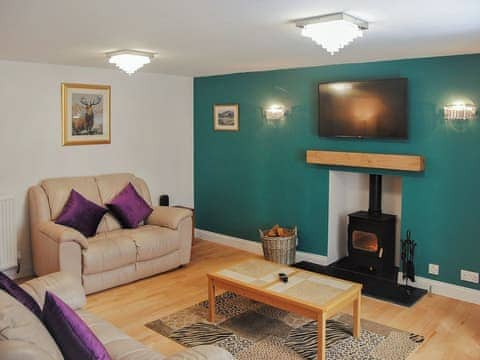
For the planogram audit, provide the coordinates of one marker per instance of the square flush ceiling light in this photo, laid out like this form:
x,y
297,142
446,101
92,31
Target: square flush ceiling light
x,y
333,31
130,60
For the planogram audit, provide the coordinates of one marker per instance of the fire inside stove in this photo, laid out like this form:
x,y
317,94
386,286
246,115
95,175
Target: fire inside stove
x,y
365,241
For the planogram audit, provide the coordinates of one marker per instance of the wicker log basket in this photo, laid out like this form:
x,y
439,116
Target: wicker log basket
x,y
279,244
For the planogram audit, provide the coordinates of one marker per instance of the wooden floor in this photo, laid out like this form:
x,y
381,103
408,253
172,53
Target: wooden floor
x,y
451,327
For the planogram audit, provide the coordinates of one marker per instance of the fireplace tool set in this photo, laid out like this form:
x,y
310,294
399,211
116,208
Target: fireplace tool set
x,y
407,255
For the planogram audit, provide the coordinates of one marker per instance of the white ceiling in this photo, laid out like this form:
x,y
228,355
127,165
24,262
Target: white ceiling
x,y
204,37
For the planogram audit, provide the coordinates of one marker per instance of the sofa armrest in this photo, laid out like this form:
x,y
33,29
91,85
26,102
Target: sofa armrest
x,y
203,352
22,350
61,233
66,286
168,216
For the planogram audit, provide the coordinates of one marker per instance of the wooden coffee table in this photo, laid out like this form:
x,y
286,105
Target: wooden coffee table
x,y
312,295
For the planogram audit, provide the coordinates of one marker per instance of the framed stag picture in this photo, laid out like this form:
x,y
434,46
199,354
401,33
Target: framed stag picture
x,y
85,114
225,117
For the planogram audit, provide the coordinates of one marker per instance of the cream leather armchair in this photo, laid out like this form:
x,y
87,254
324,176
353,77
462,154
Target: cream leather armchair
x,y
114,256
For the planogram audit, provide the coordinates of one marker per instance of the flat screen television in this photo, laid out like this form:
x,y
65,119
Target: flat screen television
x,y
364,109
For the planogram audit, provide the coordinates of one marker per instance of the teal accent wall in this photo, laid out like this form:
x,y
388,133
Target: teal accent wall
x,y
257,177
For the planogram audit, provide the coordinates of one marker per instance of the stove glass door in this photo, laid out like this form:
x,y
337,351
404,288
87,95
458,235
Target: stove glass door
x,y
366,241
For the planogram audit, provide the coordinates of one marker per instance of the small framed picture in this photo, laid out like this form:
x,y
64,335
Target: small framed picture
x,y
85,114
225,117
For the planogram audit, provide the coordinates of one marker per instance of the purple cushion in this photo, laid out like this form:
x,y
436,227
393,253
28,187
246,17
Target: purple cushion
x,y
74,338
15,291
81,214
129,207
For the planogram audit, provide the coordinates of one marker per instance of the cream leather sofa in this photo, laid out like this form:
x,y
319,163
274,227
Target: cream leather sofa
x,y
114,256
23,336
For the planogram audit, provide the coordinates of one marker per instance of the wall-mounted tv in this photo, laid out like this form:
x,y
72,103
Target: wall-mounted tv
x,y
364,109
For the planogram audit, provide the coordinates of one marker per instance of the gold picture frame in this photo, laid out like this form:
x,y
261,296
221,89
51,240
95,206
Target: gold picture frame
x,y
226,117
86,116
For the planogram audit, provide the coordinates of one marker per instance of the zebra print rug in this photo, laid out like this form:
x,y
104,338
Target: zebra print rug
x,y
253,331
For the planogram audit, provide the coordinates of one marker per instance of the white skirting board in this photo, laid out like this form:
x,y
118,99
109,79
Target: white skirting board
x,y
253,246
437,287
445,289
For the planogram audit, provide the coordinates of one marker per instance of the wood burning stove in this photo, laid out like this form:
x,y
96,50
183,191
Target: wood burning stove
x,y
371,234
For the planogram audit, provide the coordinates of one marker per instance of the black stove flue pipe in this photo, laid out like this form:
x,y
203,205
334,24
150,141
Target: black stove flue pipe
x,y
375,195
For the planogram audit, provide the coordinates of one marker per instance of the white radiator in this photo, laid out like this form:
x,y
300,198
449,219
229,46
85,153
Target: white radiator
x,y
8,241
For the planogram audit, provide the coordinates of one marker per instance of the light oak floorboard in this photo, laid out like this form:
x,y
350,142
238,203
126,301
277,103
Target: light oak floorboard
x,y
451,327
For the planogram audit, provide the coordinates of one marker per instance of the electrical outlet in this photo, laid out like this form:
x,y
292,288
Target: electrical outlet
x,y
433,269
470,276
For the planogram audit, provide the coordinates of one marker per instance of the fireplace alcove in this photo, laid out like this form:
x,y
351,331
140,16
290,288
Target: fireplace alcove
x,y
364,224
349,191
359,239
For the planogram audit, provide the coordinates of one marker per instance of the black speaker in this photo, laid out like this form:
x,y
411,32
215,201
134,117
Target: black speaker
x,y
164,200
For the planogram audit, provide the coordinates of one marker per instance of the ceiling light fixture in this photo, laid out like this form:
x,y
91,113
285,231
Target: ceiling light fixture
x,y
129,60
333,31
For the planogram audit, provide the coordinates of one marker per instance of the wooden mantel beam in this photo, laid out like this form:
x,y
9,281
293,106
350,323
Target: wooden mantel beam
x,y
367,160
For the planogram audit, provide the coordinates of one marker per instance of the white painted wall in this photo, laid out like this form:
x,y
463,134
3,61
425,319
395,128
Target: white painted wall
x,y
348,192
152,133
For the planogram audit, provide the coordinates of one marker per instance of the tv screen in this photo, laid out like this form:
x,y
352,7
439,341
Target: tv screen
x,y
364,109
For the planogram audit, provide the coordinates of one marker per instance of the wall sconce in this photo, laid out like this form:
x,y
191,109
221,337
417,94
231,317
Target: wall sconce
x,y
274,112
459,111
